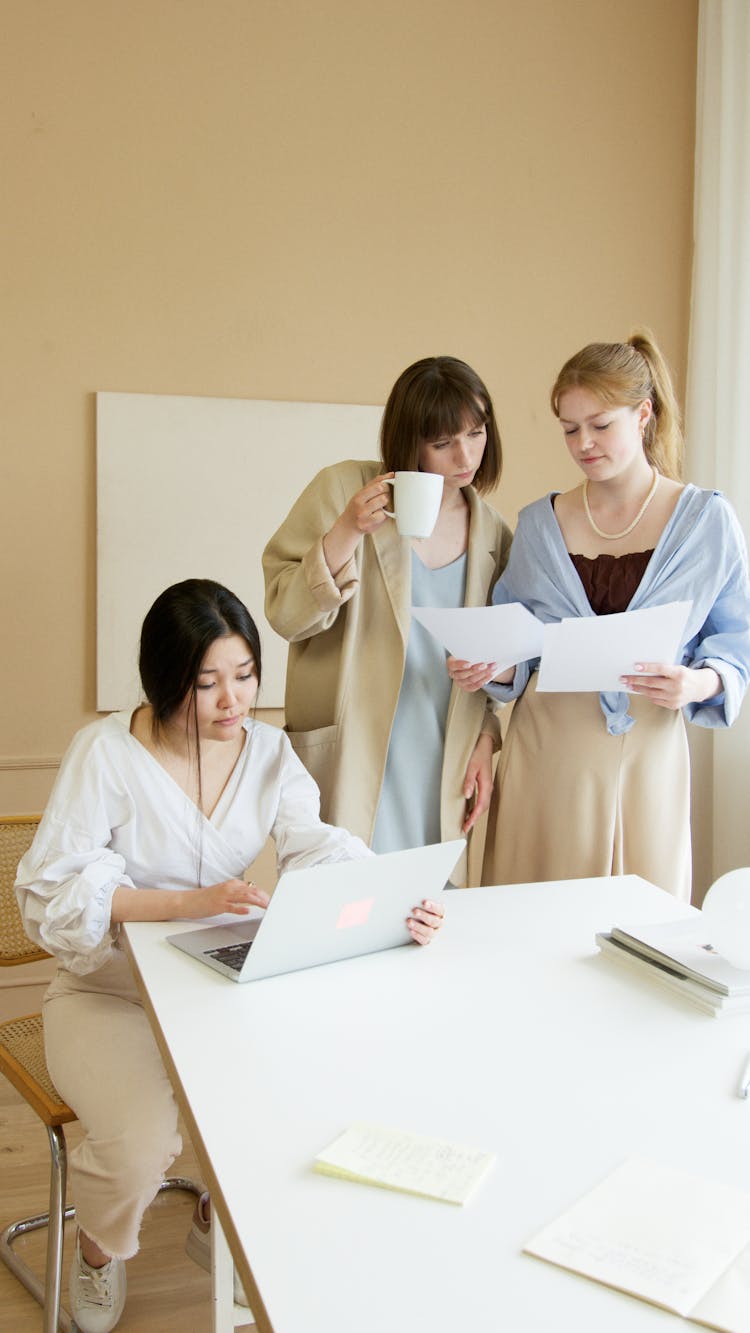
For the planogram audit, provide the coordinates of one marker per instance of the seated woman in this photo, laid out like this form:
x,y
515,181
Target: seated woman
x,y
154,816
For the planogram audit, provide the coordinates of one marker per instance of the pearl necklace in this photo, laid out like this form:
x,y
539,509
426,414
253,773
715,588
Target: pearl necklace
x,y
615,536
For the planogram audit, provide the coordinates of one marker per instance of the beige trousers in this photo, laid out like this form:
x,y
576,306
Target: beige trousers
x,y
104,1061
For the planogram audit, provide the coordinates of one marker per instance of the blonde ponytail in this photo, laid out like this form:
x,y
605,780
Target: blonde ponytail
x,y
662,438
624,375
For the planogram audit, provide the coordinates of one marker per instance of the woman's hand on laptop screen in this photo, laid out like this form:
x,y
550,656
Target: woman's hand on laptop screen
x,y
425,921
233,895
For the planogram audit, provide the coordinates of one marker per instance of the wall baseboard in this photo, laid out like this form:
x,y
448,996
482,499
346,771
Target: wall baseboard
x,y
26,782
12,763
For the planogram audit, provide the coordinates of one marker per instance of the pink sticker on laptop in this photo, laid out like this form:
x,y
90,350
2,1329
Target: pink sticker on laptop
x,y
354,914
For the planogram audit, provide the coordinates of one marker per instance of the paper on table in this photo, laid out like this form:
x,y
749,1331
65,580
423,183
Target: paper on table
x,y
592,652
728,1299
503,634
664,1235
664,978
686,945
397,1160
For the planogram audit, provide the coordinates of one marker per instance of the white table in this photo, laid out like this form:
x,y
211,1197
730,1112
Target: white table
x,y
509,1033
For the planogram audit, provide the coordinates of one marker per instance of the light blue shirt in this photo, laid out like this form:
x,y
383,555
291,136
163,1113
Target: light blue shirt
x,y
700,557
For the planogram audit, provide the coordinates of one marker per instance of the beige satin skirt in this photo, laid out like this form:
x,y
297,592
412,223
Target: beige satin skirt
x,y
572,801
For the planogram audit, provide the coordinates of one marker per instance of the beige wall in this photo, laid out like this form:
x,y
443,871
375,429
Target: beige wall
x,y
294,201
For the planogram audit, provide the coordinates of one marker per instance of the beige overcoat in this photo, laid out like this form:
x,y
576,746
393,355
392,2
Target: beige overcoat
x,y
348,637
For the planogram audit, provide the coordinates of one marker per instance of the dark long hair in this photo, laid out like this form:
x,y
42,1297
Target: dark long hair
x,y
432,398
176,635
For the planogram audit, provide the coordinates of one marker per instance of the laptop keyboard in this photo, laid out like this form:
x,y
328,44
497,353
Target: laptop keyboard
x,y
233,955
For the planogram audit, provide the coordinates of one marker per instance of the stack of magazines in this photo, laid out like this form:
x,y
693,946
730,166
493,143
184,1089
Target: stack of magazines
x,y
679,955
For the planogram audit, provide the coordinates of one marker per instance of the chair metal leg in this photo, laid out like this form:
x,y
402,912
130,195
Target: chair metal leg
x,y
180,1183
53,1270
47,1293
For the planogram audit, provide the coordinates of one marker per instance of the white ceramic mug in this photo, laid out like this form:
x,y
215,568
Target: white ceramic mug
x,y
416,502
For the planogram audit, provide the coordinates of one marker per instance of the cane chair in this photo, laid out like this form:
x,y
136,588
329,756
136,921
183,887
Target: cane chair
x,y
22,1061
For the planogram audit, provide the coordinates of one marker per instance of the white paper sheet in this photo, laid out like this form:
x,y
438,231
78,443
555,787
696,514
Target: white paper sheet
x,y
502,634
662,1234
593,652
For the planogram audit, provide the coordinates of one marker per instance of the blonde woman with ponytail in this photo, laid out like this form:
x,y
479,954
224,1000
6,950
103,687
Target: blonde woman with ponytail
x,y
600,784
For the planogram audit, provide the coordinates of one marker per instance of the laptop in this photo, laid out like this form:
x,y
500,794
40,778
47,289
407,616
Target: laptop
x,y
326,913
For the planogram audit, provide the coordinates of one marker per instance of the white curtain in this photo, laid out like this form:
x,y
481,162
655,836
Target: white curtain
x,y
718,390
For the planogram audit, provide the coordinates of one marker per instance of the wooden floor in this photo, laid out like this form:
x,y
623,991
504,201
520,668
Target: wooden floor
x,y
167,1292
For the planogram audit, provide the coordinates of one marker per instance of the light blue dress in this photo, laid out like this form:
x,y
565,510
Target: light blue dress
x,y
409,809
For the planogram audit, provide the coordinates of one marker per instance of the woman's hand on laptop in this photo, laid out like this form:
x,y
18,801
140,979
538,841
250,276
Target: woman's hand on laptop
x,y
425,922
234,895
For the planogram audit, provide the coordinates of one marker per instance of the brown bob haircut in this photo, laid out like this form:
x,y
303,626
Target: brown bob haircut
x,y
438,396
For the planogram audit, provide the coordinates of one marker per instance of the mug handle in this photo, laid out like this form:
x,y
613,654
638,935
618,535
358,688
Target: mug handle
x,y
389,481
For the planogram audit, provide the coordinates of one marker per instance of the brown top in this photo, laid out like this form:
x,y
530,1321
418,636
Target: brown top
x,y
610,581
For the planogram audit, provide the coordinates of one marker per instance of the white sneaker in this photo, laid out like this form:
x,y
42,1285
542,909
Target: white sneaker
x,y
198,1248
97,1295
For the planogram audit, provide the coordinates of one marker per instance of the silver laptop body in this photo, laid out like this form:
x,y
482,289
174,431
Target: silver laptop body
x,y
326,913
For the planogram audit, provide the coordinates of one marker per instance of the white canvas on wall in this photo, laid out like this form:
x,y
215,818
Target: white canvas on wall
x,y
193,488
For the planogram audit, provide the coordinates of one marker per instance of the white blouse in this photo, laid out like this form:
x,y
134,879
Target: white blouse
x,y
115,816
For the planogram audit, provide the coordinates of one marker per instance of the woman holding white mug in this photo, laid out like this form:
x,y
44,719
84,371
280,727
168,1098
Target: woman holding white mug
x,y
400,758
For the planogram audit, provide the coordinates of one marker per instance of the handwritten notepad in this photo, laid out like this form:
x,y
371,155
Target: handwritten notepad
x,y
396,1160
664,1235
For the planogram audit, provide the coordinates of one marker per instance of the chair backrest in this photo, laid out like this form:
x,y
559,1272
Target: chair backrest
x,y
16,835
